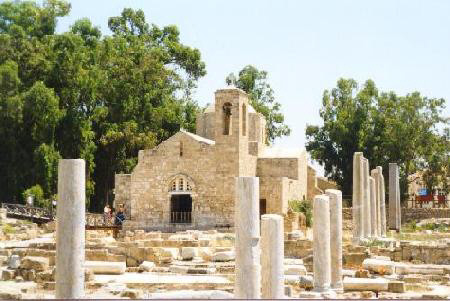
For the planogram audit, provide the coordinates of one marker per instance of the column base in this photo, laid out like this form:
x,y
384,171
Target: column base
x,y
338,289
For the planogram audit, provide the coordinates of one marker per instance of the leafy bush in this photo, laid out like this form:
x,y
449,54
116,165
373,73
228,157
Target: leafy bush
x,y
38,194
303,206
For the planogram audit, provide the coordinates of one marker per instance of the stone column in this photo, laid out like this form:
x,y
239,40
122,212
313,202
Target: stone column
x,y
366,201
373,208
321,243
394,197
382,192
247,264
70,214
357,196
272,257
374,174
335,197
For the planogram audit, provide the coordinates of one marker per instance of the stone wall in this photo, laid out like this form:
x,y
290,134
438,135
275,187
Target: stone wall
x,y
312,188
278,167
409,214
324,184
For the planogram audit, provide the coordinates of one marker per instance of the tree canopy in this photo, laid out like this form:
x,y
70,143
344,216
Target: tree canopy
x,y
409,130
79,94
262,99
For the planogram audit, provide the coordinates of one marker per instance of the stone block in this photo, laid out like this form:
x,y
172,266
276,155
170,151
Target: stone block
x,y
382,267
365,284
188,253
131,294
105,267
413,279
304,281
288,261
14,262
28,275
34,263
147,266
205,253
45,276
8,275
436,295
294,269
167,254
362,273
354,259
425,269
201,271
223,256
396,287
176,269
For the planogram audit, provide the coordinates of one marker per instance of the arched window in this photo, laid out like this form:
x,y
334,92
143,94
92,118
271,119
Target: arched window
x,y
227,118
244,120
180,183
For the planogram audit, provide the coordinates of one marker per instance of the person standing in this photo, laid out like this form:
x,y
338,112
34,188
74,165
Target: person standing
x,y
106,214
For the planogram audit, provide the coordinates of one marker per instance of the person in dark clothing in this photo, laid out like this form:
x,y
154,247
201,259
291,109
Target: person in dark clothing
x,y
120,216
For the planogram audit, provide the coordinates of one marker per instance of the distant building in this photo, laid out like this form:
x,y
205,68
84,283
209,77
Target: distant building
x,y
188,181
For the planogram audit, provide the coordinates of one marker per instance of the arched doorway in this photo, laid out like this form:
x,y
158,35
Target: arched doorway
x,y
180,200
180,209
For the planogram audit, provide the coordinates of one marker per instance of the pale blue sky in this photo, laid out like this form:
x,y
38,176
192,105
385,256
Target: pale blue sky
x,y
304,45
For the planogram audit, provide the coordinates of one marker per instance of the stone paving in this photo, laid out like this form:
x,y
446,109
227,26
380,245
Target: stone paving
x,y
200,264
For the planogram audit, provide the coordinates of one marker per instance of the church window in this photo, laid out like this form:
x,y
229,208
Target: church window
x,y
181,184
174,186
181,148
227,118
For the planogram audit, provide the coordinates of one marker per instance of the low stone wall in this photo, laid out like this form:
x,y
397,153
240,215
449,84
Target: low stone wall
x,y
409,214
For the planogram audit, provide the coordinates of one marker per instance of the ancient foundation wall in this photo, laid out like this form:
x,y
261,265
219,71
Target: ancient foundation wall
x,y
409,214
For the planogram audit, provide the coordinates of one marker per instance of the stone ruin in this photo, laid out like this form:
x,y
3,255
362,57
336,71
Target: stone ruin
x,y
258,259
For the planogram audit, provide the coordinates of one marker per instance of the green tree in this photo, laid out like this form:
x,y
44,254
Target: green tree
x,y
37,194
261,96
83,95
386,127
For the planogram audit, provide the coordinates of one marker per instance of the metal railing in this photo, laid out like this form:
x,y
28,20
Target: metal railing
x,y
46,215
181,217
28,211
99,220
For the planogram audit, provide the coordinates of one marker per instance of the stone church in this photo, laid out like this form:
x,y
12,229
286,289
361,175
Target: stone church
x,y
188,181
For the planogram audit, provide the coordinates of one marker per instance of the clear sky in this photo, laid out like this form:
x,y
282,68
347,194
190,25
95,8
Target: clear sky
x,y
304,45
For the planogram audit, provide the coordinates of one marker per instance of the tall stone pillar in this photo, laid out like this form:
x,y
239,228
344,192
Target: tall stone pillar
x,y
382,191
366,201
394,198
321,243
375,176
272,257
335,197
247,264
373,208
70,213
357,195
